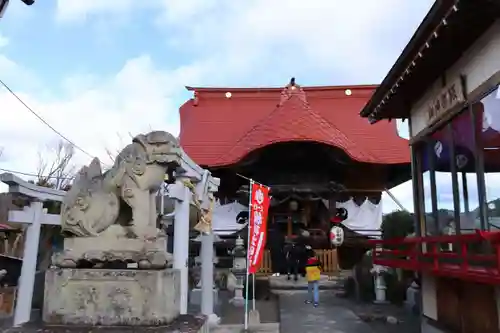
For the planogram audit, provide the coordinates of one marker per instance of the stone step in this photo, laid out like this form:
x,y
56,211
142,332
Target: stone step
x,y
326,283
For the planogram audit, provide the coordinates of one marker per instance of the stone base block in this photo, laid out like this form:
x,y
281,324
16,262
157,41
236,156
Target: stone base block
x,y
253,317
195,297
147,254
111,297
183,324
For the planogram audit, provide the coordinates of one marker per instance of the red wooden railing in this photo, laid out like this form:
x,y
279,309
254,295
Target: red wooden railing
x,y
474,256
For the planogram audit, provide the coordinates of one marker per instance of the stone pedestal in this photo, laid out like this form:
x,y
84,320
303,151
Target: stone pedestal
x,y
253,317
112,246
111,297
182,324
196,296
238,300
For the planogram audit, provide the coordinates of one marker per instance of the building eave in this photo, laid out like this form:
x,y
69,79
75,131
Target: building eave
x,y
449,29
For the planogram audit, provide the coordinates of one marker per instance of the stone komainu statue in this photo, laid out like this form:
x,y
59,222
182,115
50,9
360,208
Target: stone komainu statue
x,y
112,216
123,195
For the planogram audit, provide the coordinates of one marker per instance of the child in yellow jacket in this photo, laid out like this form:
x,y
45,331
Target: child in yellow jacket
x,y
313,274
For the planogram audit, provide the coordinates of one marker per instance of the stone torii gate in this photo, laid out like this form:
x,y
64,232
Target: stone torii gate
x,y
193,186
33,216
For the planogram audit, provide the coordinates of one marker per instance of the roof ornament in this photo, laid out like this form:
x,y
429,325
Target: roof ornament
x,y
292,89
196,98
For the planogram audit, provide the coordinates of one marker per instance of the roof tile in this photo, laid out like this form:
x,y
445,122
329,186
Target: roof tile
x,y
220,131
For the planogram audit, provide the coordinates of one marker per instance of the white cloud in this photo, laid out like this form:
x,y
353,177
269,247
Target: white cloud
x,y
80,10
97,113
257,42
404,196
353,41
4,41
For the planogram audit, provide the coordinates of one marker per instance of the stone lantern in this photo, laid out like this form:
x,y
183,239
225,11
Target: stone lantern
x,y
378,273
239,270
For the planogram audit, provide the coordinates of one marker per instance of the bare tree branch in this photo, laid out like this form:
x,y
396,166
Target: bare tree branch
x,y
112,153
55,169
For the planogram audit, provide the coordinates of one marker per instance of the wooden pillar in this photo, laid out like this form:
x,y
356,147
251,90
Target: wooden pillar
x,y
306,213
289,226
332,205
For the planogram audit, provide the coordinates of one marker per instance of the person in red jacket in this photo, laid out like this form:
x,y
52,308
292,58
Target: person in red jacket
x,y
313,274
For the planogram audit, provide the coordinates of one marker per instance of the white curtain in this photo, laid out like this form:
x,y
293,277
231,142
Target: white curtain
x,y
224,218
364,219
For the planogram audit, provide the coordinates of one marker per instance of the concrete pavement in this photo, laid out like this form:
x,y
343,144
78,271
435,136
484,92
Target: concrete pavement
x,y
297,317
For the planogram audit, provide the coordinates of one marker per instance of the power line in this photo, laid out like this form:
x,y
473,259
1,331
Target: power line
x,y
44,121
33,174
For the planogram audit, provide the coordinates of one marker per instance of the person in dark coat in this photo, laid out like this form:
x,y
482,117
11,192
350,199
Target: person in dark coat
x,y
302,243
295,258
292,260
276,243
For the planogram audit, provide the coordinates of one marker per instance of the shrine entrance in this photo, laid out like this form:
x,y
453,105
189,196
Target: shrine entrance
x,y
308,180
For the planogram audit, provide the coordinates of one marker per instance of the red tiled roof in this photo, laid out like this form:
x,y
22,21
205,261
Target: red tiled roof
x,y
217,130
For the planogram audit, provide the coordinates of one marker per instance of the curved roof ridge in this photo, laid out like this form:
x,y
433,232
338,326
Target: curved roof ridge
x,y
311,110
320,120
223,128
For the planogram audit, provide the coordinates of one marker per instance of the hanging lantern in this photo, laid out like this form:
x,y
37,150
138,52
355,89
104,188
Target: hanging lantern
x,y
337,236
294,205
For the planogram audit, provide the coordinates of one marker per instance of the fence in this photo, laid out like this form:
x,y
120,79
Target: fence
x,y
328,258
7,300
452,256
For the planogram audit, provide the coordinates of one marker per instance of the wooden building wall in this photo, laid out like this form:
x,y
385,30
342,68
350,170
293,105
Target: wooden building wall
x,y
467,307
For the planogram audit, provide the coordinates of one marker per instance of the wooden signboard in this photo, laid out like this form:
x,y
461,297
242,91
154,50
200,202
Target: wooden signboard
x,y
449,97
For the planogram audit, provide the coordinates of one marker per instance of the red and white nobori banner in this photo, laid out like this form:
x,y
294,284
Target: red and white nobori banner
x,y
259,205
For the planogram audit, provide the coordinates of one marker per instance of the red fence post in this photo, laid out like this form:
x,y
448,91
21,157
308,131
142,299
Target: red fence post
x,y
435,259
497,247
464,255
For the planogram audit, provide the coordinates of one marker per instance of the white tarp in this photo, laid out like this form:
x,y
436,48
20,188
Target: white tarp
x,y
224,218
364,219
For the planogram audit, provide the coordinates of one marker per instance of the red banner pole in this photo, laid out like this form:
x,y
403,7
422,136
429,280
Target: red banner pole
x,y
249,229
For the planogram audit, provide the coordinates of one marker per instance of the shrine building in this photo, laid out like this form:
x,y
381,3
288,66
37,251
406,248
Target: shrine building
x,y
446,83
308,144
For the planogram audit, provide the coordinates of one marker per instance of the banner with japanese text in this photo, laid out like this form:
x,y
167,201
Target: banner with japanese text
x,y
259,205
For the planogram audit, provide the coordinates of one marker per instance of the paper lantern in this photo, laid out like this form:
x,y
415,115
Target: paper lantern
x,y
337,236
293,205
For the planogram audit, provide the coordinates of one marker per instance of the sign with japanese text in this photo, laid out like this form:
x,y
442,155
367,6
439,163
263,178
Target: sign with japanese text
x,y
447,99
259,205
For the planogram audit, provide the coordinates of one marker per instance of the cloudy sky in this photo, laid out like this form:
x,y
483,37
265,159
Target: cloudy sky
x,y
97,70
